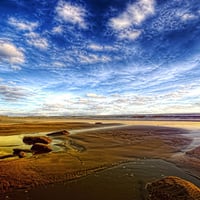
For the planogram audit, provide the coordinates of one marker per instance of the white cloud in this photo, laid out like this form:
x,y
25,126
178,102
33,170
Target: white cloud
x,y
10,53
71,13
126,25
22,25
129,34
36,40
57,30
134,14
97,47
58,64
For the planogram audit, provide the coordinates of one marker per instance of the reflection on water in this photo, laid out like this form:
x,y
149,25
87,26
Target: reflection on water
x,y
195,136
72,132
125,181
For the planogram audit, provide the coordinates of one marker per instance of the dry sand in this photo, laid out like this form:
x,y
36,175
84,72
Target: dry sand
x,y
104,148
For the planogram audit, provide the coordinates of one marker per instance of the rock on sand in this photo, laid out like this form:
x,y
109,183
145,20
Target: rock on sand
x,y
39,148
59,133
21,153
36,139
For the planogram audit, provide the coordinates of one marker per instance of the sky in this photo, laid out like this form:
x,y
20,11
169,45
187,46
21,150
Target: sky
x,y
99,57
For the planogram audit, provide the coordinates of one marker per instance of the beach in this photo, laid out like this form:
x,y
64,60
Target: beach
x,y
98,147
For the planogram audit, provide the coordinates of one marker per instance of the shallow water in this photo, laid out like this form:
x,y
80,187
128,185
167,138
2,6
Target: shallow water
x,y
123,182
195,136
8,143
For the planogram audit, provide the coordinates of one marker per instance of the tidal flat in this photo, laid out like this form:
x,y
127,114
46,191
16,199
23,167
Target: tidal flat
x,y
107,159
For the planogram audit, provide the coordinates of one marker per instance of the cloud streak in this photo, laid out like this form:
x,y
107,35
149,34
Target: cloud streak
x,y
12,93
22,24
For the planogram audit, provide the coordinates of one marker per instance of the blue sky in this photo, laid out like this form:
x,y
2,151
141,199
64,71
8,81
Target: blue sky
x,y
91,57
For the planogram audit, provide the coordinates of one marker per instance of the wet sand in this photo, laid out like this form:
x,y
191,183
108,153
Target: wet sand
x,y
157,145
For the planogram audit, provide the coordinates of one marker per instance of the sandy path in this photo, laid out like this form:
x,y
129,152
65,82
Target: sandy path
x,y
72,132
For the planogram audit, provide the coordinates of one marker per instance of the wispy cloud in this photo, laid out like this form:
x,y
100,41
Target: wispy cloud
x,y
98,47
57,30
188,16
129,34
32,37
70,13
53,107
12,93
10,53
58,64
93,58
22,24
95,96
170,16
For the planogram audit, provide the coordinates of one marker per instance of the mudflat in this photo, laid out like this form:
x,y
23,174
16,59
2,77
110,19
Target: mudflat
x,y
84,153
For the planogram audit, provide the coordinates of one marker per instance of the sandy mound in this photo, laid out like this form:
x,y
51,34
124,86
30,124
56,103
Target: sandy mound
x,y
172,188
